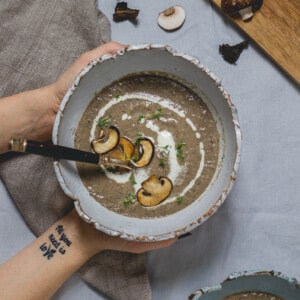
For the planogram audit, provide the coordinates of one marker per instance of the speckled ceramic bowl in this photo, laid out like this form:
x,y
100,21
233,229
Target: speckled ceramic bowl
x,y
143,58
269,282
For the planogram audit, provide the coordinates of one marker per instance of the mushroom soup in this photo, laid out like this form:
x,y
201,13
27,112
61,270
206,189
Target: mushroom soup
x,y
252,296
167,114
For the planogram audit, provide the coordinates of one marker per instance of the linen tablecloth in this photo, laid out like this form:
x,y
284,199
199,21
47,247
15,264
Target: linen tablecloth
x,y
258,225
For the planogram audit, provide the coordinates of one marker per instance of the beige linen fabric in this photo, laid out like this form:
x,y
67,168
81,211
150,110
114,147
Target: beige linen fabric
x,y
38,41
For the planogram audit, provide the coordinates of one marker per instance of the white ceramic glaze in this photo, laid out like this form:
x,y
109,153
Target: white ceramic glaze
x,y
99,74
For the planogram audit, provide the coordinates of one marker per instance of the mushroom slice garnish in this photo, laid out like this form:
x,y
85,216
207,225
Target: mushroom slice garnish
x,y
146,151
244,8
171,18
107,142
154,190
123,151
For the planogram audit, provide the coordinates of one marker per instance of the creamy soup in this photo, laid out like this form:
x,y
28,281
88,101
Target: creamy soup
x,y
252,296
181,127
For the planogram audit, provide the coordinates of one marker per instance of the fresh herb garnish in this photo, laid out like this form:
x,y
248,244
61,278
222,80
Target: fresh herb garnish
x,y
167,149
117,97
141,118
135,158
139,136
157,114
132,180
104,122
162,162
164,154
129,199
179,199
179,150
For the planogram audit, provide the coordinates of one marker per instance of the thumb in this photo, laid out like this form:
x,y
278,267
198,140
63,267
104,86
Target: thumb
x,y
67,78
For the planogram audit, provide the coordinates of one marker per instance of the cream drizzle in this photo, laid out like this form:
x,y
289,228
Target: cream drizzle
x,y
192,182
164,138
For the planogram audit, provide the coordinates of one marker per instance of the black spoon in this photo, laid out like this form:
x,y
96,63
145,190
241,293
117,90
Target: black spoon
x,y
61,152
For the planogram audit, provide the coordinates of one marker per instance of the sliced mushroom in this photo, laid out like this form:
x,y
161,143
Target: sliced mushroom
x,y
243,8
106,142
171,18
145,152
123,151
121,155
154,190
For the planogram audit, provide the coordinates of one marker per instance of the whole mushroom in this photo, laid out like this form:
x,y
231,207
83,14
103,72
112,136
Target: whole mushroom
x,y
243,8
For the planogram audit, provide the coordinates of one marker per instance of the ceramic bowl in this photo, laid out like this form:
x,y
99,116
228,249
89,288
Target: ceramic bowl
x,y
269,282
143,58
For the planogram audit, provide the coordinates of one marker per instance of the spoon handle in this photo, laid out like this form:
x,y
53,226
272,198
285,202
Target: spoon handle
x,y
55,151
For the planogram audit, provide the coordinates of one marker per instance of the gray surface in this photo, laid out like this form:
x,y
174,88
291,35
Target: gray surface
x,y
258,226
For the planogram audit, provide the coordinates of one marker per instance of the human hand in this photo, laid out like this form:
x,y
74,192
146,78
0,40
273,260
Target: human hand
x,y
67,78
56,254
92,241
31,114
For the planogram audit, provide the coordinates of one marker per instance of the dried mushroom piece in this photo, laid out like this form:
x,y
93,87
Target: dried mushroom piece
x,y
145,153
171,18
243,8
122,12
154,190
107,141
232,53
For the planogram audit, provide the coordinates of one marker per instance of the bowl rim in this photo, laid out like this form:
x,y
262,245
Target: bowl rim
x,y
293,283
237,131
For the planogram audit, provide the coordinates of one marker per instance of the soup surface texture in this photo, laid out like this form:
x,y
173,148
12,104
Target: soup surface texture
x,y
180,125
252,296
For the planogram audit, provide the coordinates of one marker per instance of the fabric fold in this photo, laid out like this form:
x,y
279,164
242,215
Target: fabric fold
x,y
39,41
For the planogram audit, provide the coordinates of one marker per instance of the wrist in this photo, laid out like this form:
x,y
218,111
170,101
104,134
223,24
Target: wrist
x,y
85,238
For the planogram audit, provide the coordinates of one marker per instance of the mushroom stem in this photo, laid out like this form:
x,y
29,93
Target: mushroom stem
x,y
246,13
169,11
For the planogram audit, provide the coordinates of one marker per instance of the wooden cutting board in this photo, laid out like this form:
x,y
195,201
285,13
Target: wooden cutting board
x,y
276,29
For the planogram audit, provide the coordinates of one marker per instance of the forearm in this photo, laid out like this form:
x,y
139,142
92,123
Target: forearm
x,y
41,268
28,115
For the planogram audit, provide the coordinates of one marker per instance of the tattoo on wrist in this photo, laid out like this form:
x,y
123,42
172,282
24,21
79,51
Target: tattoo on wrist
x,y
56,244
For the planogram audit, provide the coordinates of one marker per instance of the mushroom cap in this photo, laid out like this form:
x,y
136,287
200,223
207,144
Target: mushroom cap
x,y
171,18
154,190
146,150
106,142
234,7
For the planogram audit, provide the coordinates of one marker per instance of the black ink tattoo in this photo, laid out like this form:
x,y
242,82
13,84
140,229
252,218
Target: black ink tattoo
x,y
48,252
55,243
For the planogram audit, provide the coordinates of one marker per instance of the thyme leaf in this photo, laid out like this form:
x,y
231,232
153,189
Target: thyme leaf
x,y
104,122
179,150
157,114
179,199
129,199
